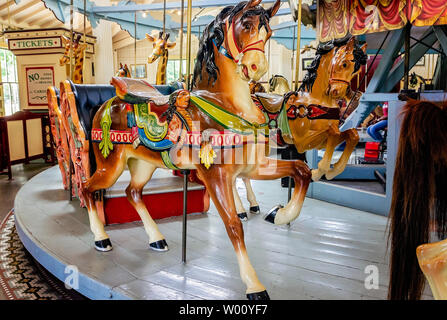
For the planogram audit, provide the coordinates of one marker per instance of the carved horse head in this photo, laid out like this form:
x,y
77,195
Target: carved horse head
x,y
239,33
160,45
345,65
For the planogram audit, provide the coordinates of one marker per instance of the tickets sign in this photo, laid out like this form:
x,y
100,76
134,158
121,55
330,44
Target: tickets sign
x,y
38,43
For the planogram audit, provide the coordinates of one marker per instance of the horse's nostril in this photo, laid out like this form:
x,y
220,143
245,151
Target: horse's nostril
x,y
254,67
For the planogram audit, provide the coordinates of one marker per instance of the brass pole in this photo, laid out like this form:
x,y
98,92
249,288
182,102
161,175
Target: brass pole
x,y
164,16
181,39
85,21
71,40
188,45
135,46
298,46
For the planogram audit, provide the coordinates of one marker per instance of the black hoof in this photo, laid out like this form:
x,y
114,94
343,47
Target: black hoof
x,y
103,245
243,216
255,210
258,296
270,217
160,245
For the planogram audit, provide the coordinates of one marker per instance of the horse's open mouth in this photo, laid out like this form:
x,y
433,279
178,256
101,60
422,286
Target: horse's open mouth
x,y
245,72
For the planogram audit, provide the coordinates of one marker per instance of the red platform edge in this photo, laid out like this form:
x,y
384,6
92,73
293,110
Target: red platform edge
x,y
161,205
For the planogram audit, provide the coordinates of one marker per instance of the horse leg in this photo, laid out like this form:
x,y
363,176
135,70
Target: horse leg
x,y
270,169
241,213
254,206
325,164
219,182
351,137
101,179
141,172
432,259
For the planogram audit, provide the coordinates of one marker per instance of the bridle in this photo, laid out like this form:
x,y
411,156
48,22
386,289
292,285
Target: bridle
x,y
232,50
333,80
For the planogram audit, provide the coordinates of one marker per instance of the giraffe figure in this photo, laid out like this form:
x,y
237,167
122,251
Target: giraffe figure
x,y
78,53
161,47
123,71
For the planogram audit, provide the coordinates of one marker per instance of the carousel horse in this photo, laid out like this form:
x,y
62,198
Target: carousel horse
x,y
309,118
279,85
78,54
161,47
419,203
123,72
204,129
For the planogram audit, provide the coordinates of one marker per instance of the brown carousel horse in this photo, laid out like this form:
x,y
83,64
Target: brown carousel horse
x,y
309,118
216,129
419,203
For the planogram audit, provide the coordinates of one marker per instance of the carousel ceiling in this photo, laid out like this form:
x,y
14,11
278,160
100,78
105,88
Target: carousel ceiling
x,y
27,14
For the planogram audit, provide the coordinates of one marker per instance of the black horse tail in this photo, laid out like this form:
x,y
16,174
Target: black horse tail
x,y
419,200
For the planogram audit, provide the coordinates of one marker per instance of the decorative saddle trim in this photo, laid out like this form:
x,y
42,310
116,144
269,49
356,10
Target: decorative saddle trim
x,y
313,112
227,119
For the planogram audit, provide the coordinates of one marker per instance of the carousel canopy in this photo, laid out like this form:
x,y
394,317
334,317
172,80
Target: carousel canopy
x,y
149,16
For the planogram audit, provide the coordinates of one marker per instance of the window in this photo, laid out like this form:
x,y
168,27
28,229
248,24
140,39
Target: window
x,y
173,70
10,83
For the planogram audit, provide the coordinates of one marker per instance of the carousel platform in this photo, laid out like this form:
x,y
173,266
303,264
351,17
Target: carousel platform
x,y
322,255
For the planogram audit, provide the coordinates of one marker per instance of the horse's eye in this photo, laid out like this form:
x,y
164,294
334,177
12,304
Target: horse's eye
x,y
344,65
247,26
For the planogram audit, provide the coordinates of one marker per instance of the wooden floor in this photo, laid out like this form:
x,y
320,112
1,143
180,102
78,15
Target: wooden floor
x,y
323,255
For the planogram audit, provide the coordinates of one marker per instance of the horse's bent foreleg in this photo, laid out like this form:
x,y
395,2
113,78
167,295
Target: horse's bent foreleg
x,y
432,259
141,172
254,206
325,164
241,213
101,179
218,182
352,138
274,169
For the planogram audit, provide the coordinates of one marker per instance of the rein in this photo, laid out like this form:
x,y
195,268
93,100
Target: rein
x,y
232,50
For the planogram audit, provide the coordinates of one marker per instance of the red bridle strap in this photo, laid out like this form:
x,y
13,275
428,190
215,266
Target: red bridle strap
x,y
233,48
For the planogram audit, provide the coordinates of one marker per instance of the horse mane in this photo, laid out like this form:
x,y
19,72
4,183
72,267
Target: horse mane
x,y
215,31
360,58
419,194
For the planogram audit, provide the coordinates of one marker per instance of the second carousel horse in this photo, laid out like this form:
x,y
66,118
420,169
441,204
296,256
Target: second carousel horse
x,y
309,118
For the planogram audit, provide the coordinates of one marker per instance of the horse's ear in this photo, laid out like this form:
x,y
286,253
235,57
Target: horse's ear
x,y
121,65
364,47
274,9
251,4
150,38
351,43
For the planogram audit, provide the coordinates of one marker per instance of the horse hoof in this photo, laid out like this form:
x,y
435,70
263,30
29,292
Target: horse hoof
x,y
160,246
243,216
270,217
258,296
255,210
103,245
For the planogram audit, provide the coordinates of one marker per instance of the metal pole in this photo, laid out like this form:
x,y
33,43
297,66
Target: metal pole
x,y
135,45
71,40
181,39
407,55
185,203
298,46
85,21
188,45
164,16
